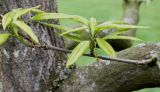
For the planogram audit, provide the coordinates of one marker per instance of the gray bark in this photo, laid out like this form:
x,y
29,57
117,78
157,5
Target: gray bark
x,y
25,69
116,76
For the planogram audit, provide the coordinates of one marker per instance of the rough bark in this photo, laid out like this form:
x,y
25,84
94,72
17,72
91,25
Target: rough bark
x,y
116,76
29,69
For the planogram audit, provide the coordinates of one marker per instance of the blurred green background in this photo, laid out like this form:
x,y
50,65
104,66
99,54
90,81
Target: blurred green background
x,y
105,10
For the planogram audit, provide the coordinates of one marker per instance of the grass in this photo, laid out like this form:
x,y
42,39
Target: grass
x,y
105,10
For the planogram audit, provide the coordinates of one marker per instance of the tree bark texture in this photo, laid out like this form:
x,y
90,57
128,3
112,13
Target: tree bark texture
x,y
113,76
26,69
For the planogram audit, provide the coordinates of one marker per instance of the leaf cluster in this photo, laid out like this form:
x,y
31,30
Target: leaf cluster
x,y
14,23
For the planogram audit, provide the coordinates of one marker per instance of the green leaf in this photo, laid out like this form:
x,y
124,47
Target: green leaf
x,y
14,15
3,38
59,27
20,12
27,30
106,47
117,26
74,30
37,11
77,52
116,22
92,25
116,33
15,33
7,19
72,37
46,16
122,37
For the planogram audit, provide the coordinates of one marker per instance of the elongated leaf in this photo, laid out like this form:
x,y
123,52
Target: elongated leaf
x,y
59,27
37,11
106,47
77,52
122,37
74,30
92,24
15,34
21,12
72,37
7,19
3,38
27,30
46,16
116,33
117,26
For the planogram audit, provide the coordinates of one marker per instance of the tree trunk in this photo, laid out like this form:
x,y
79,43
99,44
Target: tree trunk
x,y
26,69
130,16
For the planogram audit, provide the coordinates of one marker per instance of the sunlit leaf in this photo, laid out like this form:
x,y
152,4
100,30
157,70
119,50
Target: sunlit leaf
x,y
21,12
3,38
92,24
46,16
106,47
77,52
116,22
74,30
27,30
117,26
7,19
122,37
37,11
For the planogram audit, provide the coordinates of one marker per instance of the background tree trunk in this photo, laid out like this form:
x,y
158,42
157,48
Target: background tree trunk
x,y
131,16
26,69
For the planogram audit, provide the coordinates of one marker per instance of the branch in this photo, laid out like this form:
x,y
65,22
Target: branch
x,y
140,62
116,76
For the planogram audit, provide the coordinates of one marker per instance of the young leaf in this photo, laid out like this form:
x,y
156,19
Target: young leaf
x,y
7,19
27,30
74,30
15,33
106,47
21,12
72,37
116,33
46,16
117,26
3,38
59,27
92,25
77,52
122,37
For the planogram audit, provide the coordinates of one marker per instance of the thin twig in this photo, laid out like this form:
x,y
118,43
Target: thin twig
x,y
138,62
